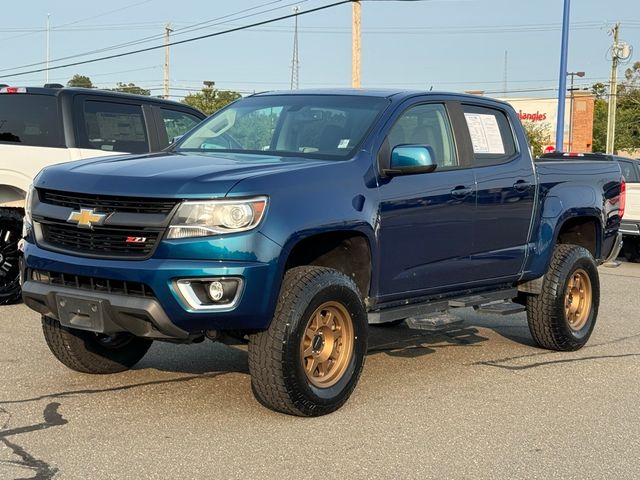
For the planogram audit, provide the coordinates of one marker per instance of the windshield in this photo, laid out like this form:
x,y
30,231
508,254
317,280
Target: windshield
x,y
314,126
30,120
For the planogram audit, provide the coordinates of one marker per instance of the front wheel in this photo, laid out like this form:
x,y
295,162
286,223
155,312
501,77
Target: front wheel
x,y
309,360
563,316
89,352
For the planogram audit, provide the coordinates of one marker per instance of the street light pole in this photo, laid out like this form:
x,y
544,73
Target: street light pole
x,y
571,90
562,84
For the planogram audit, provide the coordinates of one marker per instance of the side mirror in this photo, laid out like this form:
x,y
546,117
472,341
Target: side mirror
x,y
411,159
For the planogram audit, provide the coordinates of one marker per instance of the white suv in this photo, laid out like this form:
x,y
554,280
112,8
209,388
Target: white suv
x,y
630,225
44,126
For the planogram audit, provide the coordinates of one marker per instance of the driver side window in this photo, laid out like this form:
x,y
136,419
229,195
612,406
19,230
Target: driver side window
x,y
426,125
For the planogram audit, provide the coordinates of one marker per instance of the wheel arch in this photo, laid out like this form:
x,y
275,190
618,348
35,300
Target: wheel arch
x,y
11,196
582,230
346,250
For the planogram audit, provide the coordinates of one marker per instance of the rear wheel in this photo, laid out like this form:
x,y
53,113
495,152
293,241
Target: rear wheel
x,y
10,234
563,316
89,352
309,360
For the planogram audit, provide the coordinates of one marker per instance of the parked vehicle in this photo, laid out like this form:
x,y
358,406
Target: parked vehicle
x,y
630,226
296,219
45,126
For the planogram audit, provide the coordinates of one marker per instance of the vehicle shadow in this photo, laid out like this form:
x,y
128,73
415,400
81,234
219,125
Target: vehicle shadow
x,y
511,327
401,341
209,357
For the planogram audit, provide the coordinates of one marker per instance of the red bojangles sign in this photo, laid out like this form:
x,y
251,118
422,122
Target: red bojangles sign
x,y
532,117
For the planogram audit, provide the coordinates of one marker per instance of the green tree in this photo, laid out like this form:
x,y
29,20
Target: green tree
x,y
80,81
627,113
210,99
539,135
600,110
131,88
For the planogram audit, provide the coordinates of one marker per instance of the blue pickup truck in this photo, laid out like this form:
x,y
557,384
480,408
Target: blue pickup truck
x,y
292,221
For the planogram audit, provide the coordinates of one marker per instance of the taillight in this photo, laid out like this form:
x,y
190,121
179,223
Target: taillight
x,y
13,90
623,197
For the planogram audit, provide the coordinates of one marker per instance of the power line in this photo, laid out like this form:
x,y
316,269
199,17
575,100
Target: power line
x,y
81,20
182,31
179,42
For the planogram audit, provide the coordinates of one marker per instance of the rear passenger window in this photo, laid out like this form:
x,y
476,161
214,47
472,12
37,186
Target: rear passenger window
x,y
491,135
32,120
629,171
117,127
426,125
177,123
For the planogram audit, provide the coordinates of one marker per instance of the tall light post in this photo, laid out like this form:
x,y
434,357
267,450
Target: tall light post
x,y
562,83
571,90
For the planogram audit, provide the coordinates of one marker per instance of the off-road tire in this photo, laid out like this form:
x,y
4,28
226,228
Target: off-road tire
x,y
546,313
278,378
10,234
631,249
88,352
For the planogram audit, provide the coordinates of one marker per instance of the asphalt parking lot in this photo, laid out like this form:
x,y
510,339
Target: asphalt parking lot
x,y
476,402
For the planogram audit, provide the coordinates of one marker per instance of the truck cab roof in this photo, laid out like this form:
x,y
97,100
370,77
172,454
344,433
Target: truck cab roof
x,y
73,91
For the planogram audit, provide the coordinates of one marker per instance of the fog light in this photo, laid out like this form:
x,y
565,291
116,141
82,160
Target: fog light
x,y
216,291
209,294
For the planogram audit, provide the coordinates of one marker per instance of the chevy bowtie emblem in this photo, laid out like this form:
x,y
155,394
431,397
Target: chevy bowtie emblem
x,y
87,218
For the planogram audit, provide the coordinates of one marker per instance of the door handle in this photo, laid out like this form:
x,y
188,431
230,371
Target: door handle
x,y
521,186
461,192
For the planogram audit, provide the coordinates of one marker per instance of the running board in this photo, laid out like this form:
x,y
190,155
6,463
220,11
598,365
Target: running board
x,y
504,308
484,298
422,310
436,322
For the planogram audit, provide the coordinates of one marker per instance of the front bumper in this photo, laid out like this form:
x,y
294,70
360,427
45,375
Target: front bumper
x,y
164,313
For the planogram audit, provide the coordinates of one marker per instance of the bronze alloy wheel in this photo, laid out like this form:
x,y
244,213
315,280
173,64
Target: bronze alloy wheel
x,y
578,299
327,344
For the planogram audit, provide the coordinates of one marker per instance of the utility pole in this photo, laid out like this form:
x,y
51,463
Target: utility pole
x,y
355,46
562,83
295,62
504,80
165,84
48,45
613,91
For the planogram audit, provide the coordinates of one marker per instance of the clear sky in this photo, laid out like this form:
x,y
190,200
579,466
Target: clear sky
x,y
448,44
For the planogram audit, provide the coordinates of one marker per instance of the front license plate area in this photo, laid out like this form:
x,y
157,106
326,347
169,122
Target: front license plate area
x,y
82,313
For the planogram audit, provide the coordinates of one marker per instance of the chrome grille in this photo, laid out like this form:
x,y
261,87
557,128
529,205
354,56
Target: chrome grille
x,y
107,203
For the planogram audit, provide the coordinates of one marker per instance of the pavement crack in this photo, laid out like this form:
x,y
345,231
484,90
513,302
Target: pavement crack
x,y
43,471
552,352
74,393
555,362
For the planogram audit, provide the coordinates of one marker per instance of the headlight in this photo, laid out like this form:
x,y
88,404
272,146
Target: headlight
x,y
27,204
215,217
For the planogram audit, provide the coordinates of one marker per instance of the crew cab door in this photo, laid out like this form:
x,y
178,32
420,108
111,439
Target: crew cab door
x,y
425,220
505,182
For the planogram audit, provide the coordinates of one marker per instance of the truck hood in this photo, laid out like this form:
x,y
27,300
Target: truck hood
x,y
166,174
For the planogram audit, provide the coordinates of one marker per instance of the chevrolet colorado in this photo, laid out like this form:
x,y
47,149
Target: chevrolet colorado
x,y
293,220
